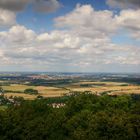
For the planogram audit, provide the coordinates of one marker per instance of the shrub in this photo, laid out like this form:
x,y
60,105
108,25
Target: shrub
x,y
31,91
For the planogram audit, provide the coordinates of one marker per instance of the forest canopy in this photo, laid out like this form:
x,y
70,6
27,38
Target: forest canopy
x,y
83,117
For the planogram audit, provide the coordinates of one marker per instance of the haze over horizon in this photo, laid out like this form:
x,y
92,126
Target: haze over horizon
x,y
70,36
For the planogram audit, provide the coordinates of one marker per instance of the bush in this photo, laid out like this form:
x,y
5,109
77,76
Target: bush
x,y
31,91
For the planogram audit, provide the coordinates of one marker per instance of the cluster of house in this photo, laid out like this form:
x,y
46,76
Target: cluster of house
x,y
1,91
8,101
57,105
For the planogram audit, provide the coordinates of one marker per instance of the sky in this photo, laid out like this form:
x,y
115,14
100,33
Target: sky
x,y
70,35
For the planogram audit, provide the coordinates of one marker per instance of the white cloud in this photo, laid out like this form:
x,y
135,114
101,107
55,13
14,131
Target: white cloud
x,y
129,20
17,35
85,21
84,44
7,18
88,21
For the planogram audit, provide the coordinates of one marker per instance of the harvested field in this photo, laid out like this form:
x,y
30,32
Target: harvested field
x,y
16,87
112,88
25,96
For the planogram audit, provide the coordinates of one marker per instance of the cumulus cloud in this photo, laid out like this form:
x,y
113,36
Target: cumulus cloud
x,y
39,5
129,20
124,3
84,44
9,9
7,18
88,21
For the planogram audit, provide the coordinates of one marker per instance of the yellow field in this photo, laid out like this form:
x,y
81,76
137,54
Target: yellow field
x,y
43,91
125,92
25,96
113,88
51,91
16,87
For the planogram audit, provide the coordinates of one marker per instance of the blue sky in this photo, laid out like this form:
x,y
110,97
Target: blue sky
x,y
70,36
38,21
